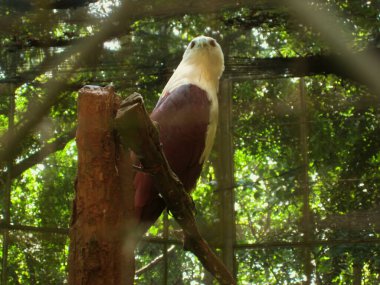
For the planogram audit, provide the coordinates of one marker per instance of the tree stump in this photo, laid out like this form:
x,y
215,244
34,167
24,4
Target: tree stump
x,y
103,205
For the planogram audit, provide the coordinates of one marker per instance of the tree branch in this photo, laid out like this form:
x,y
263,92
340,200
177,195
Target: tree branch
x,y
28,5
32,229
139,133
47,149
264,68
154,262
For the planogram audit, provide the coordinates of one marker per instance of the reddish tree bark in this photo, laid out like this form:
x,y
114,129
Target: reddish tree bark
x,y
99,250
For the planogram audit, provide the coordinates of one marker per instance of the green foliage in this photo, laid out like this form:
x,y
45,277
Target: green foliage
x,y
343,138
42,195
270,266
37,259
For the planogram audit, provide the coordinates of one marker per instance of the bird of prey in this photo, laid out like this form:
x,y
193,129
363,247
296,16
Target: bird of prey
x,y
187,115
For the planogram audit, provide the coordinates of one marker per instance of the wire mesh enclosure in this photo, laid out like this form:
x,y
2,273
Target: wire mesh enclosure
x,y
291,191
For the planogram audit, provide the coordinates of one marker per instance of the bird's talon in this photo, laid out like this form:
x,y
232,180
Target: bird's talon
x,y
137,167
151,170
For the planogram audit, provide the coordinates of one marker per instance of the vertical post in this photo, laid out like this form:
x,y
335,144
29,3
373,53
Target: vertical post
x,y
165,253
304,181
100,252
7,190
7,202
224,171
357,271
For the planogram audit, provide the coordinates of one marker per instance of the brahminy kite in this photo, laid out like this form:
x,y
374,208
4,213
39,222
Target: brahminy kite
x,y
187,115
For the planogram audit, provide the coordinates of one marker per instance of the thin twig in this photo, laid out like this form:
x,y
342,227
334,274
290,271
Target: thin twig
x,y
154,262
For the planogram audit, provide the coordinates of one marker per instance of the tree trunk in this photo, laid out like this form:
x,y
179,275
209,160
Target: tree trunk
x,y
224,171
357,272
304,184
99,250
7,191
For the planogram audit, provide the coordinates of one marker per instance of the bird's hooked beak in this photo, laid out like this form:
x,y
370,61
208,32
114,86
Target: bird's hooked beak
x,y
202,42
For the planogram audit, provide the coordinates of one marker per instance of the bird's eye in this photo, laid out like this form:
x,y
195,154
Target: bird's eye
x,y
212,43
192,44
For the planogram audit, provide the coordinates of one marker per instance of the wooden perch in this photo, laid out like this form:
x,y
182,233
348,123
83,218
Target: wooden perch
x,y
103,205
139,134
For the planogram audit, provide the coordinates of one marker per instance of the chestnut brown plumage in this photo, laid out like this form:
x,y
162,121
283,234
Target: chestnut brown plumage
x,y
187,114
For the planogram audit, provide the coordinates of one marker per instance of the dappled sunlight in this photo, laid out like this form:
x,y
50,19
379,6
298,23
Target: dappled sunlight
x,y
294,173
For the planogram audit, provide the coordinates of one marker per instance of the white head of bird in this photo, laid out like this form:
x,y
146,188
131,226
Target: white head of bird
x,y
202,64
